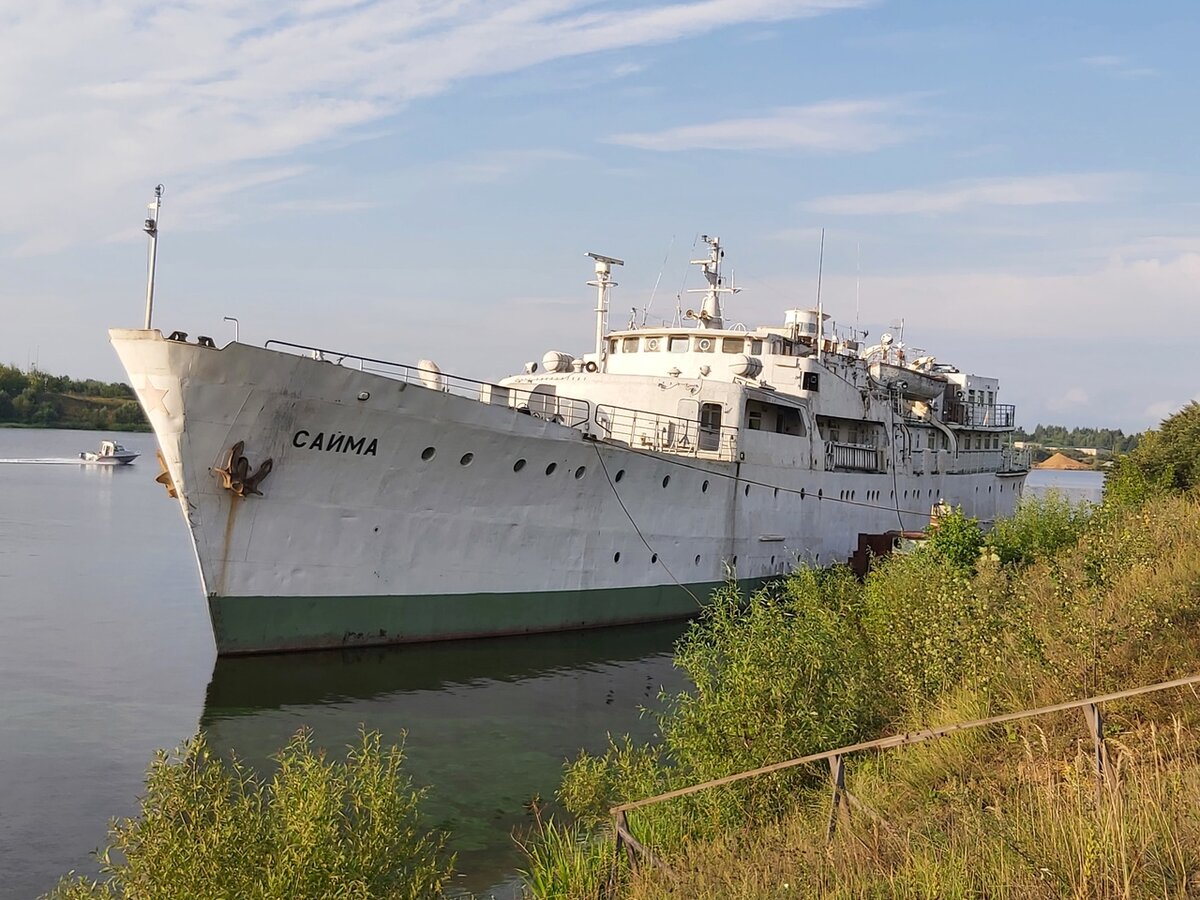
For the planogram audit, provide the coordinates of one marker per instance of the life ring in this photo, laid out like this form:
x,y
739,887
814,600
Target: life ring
x,y
590,366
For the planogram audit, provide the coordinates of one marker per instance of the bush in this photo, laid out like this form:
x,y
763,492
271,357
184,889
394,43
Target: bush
x,y
316,829
1039,528
1167,459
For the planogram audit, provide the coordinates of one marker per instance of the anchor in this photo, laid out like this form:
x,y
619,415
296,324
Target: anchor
x,y
235,474
164,477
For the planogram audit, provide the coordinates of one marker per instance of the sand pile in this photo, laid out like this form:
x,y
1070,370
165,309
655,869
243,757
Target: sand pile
x,y
1061,461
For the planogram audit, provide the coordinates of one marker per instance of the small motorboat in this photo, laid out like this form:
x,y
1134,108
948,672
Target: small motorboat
x,y
110,453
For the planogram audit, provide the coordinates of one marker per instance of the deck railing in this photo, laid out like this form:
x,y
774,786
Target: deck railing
x,y
539,403
855,457
637,429
664,434
979,415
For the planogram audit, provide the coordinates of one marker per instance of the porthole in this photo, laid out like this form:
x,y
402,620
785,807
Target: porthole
x,y
653,559
704,487
989,488
620,474
891,495
550,468
617,556
697,559
820,493
518,465
772,560
428,453
747,491
801,493
666,480
735,560
776,494
580,472
852,495
466,459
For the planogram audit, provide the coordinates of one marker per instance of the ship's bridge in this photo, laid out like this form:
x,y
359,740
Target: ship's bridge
x,y
692,352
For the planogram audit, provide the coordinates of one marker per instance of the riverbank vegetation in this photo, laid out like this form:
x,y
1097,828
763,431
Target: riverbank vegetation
x,y
35,399
1058,603
318,827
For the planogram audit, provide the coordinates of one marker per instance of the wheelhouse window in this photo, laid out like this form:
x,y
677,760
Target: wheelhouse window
x,y
678,343
613,345
733,345
629,345
755,347
705,344
652,344
810,381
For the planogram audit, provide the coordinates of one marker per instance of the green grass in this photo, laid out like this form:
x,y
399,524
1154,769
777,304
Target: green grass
x,y
1060,603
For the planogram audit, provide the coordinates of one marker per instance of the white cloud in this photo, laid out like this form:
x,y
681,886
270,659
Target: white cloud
x,y
1028,190
1118,65
1071,398
853,125
101,100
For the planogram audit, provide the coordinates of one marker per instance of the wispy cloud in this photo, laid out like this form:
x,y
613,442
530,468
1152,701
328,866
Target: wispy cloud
x,y
852,125
100,100
1118,65
954,196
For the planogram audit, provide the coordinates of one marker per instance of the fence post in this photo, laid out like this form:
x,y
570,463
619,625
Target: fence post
x,y
1095,723
622,830
840,805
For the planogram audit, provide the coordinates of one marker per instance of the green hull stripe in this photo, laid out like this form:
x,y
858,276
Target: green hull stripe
x,y
273,624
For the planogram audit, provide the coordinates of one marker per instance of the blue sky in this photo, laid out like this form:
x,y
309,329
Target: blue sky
x,y
1017,181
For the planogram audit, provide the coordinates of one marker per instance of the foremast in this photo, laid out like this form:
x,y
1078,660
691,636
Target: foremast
x,y
710,310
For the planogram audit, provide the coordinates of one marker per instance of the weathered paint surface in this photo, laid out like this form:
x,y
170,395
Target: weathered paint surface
x,y
261,624
386,499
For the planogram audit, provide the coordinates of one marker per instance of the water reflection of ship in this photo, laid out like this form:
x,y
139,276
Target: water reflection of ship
x,y
488,723
249,684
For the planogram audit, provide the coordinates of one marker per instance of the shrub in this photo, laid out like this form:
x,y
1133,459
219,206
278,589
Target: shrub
x,y
1039,528
955,539
318,828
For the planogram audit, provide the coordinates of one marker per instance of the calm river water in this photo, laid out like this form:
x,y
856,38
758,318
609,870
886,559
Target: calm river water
x,y
106,655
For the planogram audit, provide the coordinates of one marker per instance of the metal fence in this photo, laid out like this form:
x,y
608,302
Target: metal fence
x,y
540,401
665,434
980,415
855,457
842,799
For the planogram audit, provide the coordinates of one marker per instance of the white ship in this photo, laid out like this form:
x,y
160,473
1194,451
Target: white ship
x,y
339,500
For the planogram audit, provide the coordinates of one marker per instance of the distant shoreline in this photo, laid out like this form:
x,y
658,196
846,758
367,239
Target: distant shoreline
x,y
78,426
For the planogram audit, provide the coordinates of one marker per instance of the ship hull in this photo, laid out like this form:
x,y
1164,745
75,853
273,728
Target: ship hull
x,y
395,512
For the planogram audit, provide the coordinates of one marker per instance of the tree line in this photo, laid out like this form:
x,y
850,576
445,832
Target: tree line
x,y
39,399
1114,440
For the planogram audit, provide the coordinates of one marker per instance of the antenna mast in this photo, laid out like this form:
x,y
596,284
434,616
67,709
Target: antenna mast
x,y
602,283
820,311
151,228
710,312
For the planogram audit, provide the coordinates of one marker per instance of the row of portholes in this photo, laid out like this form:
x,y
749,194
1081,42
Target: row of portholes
x,y
654,558
467,458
